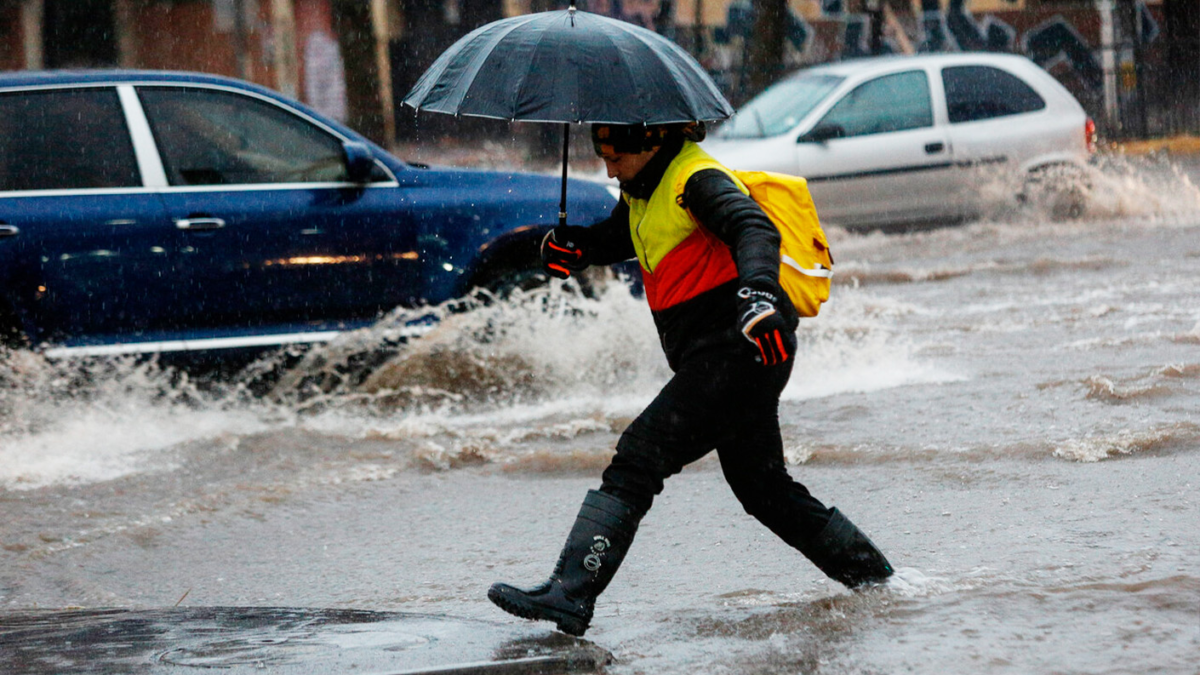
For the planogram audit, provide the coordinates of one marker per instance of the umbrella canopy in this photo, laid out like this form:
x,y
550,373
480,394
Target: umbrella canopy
x,y
569,66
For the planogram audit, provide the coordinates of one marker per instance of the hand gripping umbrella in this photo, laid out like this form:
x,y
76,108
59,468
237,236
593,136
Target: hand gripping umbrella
x,y
569,66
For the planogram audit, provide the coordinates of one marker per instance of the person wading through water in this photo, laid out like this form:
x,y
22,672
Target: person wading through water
x,y
710,263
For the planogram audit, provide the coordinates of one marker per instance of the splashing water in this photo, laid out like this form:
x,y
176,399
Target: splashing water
x,y
477,378
853,348
540,354
1124,186
1006,408
547,362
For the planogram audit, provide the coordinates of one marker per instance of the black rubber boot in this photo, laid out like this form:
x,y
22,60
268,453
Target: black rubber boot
x,y
844,553
598,541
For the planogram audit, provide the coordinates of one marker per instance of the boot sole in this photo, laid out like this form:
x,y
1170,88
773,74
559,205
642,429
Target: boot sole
x,y
571,625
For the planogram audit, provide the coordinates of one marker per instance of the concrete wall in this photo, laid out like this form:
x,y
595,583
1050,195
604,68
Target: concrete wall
x,y
290,45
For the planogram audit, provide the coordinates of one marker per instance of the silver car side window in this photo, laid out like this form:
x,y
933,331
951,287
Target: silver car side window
x,y
65,139
983,92
210,137
889,103
781,107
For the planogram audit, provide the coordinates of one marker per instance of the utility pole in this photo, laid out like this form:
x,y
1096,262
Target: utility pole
x,y
423,37
33,13
1182,19
383,65
283,31
357,32
899,37
241,41
123,21
664,19
766,45
874,12
1131,99
1108,61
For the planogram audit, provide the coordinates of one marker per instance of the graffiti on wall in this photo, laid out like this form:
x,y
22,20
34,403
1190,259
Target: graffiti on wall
x,y
651,14
739,23
1054,41
945,25
838,32
728,56
1048,44
956,29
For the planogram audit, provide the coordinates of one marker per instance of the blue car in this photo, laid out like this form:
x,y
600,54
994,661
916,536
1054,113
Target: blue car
x,y
150,212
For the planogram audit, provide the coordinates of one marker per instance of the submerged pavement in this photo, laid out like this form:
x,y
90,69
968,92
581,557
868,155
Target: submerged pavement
x,y
285,641
1007,408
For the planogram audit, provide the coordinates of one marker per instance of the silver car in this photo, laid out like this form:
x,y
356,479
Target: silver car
x,y
900,141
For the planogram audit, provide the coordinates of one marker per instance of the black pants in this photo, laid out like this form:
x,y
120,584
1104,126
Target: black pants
x,y
729,403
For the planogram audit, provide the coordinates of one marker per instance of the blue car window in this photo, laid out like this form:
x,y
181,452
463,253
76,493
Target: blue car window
x,y
65,139
983,92
885,104
209,137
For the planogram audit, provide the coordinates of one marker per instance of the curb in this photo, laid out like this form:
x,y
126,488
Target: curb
x,y
1173,145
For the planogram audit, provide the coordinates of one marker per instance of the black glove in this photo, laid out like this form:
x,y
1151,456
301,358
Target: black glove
x,y
564,250
764,325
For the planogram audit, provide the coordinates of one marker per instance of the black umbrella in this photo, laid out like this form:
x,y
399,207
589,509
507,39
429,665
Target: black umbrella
x,y
569,66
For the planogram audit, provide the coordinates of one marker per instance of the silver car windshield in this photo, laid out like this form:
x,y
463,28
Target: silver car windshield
x,y
780,107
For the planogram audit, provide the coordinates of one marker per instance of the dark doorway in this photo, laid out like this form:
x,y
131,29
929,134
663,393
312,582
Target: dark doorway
x,y
1182,86
79,34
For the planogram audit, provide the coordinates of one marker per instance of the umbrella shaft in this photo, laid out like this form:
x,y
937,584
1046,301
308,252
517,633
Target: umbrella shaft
x,y
562,204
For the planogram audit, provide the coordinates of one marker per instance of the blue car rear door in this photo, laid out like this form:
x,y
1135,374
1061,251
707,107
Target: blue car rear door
x,y
278,238
89,251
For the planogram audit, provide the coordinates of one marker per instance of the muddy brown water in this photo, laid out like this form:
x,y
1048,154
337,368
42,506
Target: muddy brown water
x,y
1009,408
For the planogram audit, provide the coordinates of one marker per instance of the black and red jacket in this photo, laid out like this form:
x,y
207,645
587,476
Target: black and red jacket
x,y
694,321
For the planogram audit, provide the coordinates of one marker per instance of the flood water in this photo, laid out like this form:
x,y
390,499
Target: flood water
x,y
1008,408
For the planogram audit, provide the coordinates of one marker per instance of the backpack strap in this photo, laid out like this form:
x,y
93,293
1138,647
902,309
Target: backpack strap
x,y
700,165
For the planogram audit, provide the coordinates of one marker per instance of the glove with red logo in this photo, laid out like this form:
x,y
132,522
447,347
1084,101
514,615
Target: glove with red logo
x,y
763,324
564,251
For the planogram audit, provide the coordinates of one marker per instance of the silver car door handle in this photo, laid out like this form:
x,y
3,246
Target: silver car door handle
x,y
9,230
934,148
199,224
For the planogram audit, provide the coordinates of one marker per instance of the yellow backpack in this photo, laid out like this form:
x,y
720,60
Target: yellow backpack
x,y
806,264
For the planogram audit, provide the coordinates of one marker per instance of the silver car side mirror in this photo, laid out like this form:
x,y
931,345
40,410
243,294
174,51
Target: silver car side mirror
x,y
821,133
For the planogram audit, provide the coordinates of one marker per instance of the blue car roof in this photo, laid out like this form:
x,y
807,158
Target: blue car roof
x,y
27,78
44,78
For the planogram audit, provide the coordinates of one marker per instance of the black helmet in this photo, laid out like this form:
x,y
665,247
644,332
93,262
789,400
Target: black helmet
x,y
637,138
627,138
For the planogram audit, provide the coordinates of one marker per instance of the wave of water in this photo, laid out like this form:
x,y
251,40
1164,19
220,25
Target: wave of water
x,y
489,384
1099,447
1141,186
852,347
521,382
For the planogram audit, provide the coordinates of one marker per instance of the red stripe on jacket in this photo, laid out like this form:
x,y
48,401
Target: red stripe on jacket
x,y
699,263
